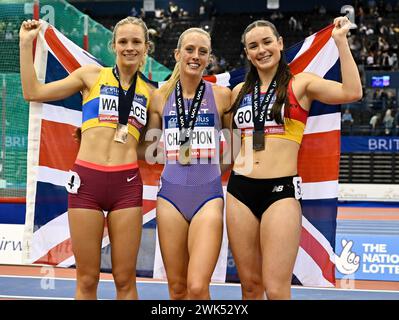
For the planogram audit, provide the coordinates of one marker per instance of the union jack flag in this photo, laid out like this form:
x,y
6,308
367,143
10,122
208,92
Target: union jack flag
x,y
52,152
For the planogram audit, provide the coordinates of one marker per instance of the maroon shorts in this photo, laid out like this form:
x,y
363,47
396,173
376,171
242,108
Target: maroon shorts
x,y
107,188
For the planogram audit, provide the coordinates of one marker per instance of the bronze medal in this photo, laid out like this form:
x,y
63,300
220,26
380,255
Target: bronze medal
x,y
121,133
258,140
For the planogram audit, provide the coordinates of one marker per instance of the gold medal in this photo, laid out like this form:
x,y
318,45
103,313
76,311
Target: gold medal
x,y
185,154
121,133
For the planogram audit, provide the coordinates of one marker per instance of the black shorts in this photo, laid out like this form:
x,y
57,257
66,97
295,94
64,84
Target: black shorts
x,y
260,194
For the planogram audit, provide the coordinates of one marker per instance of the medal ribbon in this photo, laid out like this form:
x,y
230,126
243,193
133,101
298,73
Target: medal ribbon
x,y
125,100
186,126
259,116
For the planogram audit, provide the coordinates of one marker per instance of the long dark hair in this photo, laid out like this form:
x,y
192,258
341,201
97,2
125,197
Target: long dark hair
x,y
283,76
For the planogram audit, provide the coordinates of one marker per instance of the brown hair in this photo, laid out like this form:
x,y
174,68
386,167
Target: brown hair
x,y
283,76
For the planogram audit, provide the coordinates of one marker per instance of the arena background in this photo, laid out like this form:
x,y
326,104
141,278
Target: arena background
x,y
368,213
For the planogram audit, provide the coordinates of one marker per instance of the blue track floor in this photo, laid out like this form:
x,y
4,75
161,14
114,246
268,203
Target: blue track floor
x,y
20,287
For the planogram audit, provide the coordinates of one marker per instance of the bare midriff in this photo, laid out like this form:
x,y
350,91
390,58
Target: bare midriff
x,y
278,159
98,146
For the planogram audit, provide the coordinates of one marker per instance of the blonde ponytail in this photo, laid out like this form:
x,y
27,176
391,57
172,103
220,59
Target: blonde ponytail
x,y
169,85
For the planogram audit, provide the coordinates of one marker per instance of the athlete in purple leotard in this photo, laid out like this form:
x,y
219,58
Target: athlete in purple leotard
x,y
189,187
190,198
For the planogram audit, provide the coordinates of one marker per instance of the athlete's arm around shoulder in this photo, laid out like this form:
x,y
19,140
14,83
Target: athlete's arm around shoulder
x,y
222,99
236,90
227,157
233,96
153,126
157,101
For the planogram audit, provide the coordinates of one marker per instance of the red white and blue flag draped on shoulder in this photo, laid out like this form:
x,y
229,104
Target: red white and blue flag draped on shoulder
x,y
52,152
318,164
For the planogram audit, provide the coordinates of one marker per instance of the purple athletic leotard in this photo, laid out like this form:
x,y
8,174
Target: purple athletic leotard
x,y
189,187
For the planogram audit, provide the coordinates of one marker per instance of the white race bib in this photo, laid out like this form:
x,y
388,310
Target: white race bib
x,y
244,120
108,107
203,138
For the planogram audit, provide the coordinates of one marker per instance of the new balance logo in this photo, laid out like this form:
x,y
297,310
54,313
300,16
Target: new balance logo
x,y
278,188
